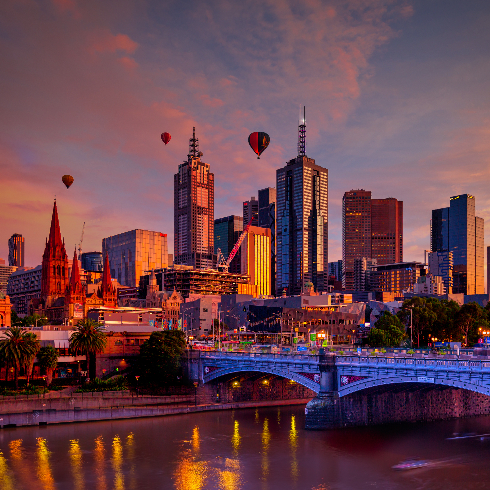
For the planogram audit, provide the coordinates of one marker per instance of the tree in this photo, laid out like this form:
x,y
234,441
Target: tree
x,y
29,358
17,349
160,357
422,317
468,319
89,339
388,331
47,357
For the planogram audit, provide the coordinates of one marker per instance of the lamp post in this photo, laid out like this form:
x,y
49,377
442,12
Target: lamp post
x,y
137,386
195,393
411,329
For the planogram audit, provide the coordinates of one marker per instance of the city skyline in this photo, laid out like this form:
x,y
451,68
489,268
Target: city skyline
x,y
402,96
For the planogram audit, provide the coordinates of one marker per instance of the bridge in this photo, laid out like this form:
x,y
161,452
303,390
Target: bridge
x,y
455,385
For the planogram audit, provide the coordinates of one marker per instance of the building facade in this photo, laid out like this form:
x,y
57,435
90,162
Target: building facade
x,y
458,230
363,273
133,252
226,233
16,250
267,219
256,259
23,286
194,211
5,272
371,228
92,261
398,278
302,223
335,270
441,265
251,212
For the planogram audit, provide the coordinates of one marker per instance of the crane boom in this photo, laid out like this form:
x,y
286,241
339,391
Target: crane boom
x,y
238,243
80,244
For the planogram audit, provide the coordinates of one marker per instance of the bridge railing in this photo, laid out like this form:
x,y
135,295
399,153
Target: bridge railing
x,y
258,356
433,362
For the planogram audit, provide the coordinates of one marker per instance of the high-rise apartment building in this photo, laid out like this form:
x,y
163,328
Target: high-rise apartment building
x,y
458,230
226,233
335,270
256,259
371,228
133,252
441,264
267,219
92,261
302,223
363,273
194,211
251,212
16,250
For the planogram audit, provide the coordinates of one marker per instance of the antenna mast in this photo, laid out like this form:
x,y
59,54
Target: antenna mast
x,y
194,145
302,133
80,244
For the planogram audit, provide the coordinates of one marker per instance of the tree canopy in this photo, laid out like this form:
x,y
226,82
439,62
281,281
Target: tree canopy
x,y
388,331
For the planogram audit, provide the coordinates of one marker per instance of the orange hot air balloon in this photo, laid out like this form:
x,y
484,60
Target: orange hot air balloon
x,y
258,142
166,137
67,180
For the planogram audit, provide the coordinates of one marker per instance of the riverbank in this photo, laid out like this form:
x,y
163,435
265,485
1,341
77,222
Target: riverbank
x,y
47,416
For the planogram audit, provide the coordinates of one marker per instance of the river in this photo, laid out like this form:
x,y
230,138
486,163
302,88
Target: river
x,y
265,449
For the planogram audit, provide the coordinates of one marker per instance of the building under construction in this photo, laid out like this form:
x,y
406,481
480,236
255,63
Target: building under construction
x,y
187,280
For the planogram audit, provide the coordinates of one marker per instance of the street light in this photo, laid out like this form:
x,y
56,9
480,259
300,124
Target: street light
x,y
137,386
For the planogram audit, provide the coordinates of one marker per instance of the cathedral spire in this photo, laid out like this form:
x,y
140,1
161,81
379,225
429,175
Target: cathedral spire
x,y
75,273
55,239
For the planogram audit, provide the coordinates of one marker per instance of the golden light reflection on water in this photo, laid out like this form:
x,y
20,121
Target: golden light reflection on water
x,y
230,478
293,443
190,474
257,419
117,461
76,464
6,479
195,440
99,455
16,449
266,438
22,466
130,458
235,438
43,466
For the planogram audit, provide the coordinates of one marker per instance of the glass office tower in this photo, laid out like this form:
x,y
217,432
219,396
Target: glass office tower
x,y
456,229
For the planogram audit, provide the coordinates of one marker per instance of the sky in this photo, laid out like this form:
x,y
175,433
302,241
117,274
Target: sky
x,y
396,95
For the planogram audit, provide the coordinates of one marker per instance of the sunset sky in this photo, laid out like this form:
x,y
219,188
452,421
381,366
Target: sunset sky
x,y
396,93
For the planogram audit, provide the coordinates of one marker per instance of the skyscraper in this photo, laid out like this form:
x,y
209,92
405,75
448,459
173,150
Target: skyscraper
x,y
226,233
267,219
194,211
251,211
302,222
371,228
16,250
133,252
256,259
456,229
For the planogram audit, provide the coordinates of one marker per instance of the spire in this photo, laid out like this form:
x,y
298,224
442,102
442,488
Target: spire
x,y
55,239
194,146
302,133
75,273
106,275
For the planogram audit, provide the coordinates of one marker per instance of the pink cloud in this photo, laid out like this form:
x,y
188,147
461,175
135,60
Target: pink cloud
x,y
105,42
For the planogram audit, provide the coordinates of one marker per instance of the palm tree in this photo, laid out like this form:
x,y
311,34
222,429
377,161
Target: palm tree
x,y
47,357
18,348
89,339
31,355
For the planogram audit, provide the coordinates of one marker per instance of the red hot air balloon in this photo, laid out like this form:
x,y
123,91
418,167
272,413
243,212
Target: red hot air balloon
x,y
166,137
259,142
67,180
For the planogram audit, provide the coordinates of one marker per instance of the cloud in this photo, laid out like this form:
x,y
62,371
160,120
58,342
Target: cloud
x,y
106,42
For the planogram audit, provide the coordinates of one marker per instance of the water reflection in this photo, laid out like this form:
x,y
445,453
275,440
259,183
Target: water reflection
x,y
6,480
230,478
131,459
266,438
99,455
195,440
235,438
21,466
190,474
117,461
293,444
76,464
43,467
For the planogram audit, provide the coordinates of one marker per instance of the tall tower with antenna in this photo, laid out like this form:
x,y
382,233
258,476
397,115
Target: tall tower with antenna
x,y
194,211
302,133
302,222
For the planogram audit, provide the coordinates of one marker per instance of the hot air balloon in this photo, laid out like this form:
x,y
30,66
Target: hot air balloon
x,y
166,137
258,142
67,180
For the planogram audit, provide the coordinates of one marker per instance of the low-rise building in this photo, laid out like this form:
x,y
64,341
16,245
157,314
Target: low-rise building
x,y
23,286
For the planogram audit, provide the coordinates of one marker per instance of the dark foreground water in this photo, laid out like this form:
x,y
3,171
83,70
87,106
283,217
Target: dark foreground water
x,y
264,449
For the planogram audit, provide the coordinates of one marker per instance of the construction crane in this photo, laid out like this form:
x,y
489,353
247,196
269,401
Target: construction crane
x,y
80,244
223,265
